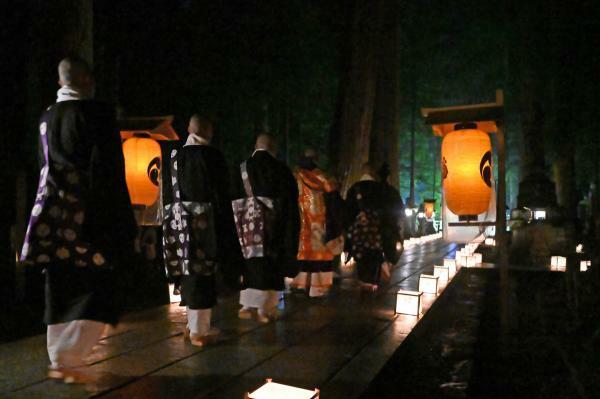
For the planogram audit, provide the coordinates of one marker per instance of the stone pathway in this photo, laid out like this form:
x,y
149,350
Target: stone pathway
x,y
337,344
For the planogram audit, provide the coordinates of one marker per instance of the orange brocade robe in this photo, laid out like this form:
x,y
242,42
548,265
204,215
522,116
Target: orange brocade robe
x,y
312,184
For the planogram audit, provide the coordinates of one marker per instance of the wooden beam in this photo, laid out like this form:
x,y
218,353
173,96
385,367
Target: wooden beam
x,y
469,113
470,224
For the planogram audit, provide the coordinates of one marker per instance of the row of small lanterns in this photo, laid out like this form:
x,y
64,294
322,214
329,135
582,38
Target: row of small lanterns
x,y
276,390
559,264
414,241
410,302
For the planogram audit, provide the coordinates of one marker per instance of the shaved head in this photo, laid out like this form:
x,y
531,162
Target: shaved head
x,y
266,141
201,126
76,72
368,168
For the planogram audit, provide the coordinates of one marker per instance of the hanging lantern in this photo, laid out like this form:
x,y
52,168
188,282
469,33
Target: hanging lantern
x,y
142,169
429,205
467,171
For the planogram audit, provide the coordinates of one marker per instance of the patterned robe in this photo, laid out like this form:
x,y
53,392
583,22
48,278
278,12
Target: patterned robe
x,y
94,233
312,185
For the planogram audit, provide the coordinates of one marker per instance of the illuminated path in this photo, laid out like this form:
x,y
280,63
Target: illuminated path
x,y
338,344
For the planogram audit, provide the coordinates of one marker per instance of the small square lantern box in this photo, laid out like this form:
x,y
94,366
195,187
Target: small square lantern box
x,y
490,241
409,302
478,258
429,284
470,261
461,260
558,263
273,390
443,272
451,265
584,265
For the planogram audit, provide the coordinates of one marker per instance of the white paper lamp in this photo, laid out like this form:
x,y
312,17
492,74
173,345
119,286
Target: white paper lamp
x,y
584,265
539,214
273,390
443,272
558,263
461,260
428,284
451,265
470,261
478,258
408,302
173,298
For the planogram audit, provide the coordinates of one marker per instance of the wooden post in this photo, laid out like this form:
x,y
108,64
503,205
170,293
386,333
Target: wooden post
x,y
501,236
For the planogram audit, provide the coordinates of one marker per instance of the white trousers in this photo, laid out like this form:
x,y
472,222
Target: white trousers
x,y
199,321
70,343
265,301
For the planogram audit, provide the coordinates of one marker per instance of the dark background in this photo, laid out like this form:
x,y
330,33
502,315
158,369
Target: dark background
x,y
304,69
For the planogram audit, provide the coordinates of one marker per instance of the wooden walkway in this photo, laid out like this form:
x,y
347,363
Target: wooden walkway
x,y
337,344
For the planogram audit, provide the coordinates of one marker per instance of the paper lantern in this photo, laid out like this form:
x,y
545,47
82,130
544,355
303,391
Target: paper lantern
x,y
429,206
172,296
478,258
490,241
451,265
428,284
539,214
273,390
584,265
408,302
461,260
142,169
443,272
579,248
467,171
470,261
558,263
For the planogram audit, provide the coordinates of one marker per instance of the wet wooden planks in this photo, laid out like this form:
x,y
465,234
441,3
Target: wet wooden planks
x,y
337,344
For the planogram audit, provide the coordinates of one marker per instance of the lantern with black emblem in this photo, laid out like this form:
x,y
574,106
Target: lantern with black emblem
x,y
467,171
142,169
144,140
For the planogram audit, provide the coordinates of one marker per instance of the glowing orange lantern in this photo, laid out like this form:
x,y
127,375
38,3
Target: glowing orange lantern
x,y
429,208
142,169
467,170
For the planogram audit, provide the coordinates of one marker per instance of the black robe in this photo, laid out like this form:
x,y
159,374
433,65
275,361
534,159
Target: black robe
x,y
83,135
203,176
374,196
272,178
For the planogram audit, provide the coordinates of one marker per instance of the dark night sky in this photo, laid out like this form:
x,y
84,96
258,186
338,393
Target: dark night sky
x,y
230,58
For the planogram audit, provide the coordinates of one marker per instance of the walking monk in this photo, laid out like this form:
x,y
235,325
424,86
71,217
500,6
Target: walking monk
x,y
267,219
371,229
82,228
315,257
204,237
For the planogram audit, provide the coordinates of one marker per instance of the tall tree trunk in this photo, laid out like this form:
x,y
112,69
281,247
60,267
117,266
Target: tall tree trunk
x,y
567,123
56,29
384,142
351,132
535,189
